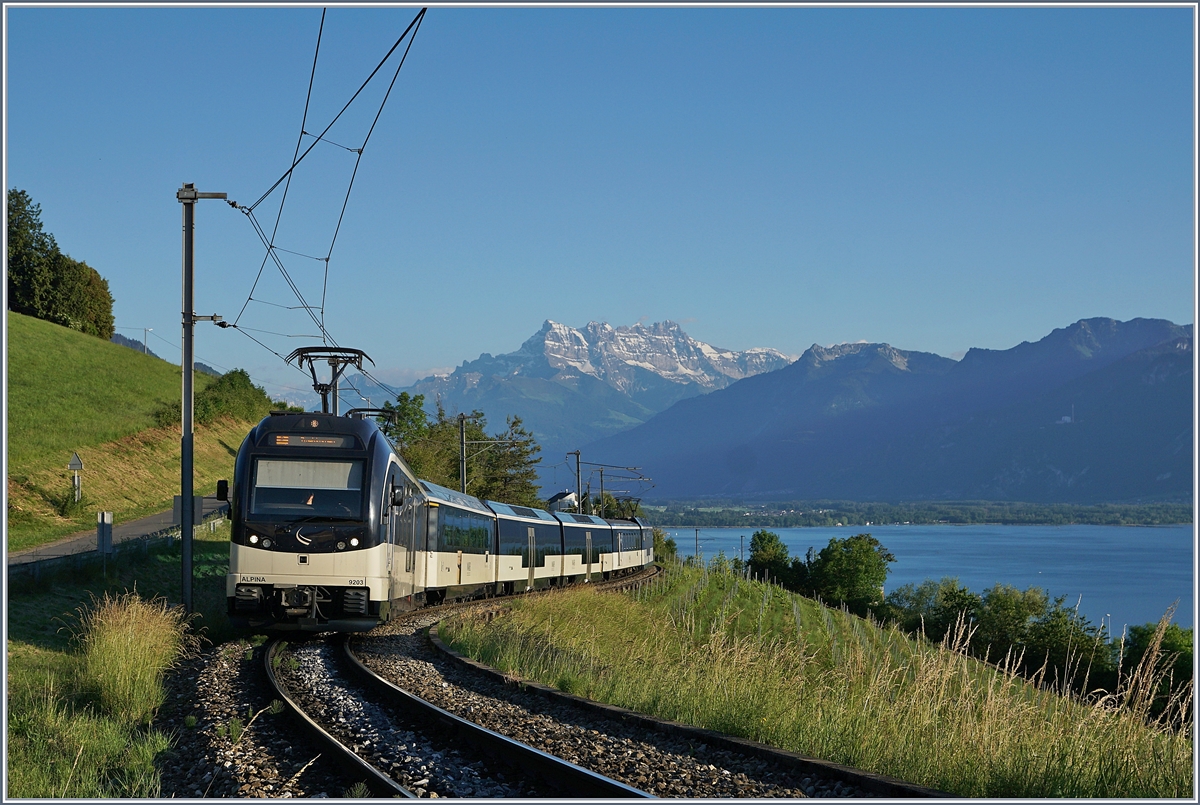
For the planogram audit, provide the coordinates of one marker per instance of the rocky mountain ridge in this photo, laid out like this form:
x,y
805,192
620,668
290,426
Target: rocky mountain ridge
x,y
572,385
1100,410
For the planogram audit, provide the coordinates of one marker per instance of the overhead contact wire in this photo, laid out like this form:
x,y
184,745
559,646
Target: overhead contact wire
x,y
308,150
303,120
325,286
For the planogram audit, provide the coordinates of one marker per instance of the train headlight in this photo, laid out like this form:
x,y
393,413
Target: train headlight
x,y
341,546
254,539
266,543
354,542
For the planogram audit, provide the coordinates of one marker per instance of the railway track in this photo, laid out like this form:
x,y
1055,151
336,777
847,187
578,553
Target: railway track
x,y
373,743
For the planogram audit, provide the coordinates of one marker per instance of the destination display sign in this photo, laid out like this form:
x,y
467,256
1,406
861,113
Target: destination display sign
x,y
297,440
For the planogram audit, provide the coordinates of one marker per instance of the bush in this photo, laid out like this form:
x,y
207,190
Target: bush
x,y
233,396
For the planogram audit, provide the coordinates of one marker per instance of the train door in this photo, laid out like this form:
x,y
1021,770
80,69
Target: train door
x,y
410,504
393,528
532,555
588,537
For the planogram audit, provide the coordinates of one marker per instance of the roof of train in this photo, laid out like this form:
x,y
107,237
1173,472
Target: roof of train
x,y
444,495
584,519
521,511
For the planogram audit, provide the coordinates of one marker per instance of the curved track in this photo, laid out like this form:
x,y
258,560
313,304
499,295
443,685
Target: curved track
x,y
352,764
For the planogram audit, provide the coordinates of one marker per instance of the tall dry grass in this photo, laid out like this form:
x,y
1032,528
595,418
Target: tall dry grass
x,y
127,644
752,660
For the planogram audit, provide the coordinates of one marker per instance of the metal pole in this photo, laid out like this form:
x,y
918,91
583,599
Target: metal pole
x,y
578,486
697,546
187,516
145,338
187,196
602,507
462,452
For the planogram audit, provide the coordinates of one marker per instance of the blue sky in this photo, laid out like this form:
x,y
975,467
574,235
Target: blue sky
x,y
935,178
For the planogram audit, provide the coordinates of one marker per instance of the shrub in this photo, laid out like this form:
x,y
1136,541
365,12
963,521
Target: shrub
x,y
233,395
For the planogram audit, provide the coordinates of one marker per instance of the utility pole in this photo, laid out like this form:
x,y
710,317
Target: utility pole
x,y
601,491
187,196
145,338
578,485
697,546
462,453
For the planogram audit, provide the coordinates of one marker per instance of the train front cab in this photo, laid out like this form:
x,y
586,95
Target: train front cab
x,y
307,548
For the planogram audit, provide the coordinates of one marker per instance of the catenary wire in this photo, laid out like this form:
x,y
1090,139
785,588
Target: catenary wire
x,y
303,120
354,173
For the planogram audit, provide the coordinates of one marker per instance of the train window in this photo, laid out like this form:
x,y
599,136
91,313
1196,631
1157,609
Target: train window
x,y
465,531
296,488
575,541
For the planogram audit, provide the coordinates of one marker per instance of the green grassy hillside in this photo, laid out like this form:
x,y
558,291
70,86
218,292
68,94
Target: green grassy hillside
x,y
73,392
68,390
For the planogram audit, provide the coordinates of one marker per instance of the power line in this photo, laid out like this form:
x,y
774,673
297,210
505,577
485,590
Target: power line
x,y
297,157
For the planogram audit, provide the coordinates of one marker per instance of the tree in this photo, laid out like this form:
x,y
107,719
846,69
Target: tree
x,y
408,422
933,607
665,549
31,254
769,557
1005,614
505,470
47,284
509,468
850,571
1070,648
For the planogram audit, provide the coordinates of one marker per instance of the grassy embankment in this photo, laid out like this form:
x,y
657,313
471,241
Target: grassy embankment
x,y
81,712
74,392
748,659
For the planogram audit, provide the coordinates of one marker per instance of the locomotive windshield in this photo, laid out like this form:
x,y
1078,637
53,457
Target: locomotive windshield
x,y
293,488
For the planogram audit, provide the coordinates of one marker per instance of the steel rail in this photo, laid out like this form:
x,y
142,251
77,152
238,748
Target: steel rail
x,y
566,777
355,766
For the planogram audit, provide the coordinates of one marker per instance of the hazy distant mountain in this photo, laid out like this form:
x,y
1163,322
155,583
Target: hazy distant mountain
x,y
572,386
132,343
872,422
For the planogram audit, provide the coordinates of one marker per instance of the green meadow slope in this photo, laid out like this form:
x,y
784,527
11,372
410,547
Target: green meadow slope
x,y
67,392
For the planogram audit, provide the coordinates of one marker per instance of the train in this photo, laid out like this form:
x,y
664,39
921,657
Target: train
x,y
332,531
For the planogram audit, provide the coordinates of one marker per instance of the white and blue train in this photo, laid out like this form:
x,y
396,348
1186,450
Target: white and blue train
x,y
332,531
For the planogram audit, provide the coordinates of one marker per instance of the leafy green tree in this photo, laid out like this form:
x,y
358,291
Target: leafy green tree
x,y
509,468
933,607
769,557
45,283
31,256
505,470
1173,659
665,549
1005,615
1073,652
233,395
850,571
408,422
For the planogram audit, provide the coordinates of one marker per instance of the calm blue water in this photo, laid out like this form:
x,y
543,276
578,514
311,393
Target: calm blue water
x,y
1125,574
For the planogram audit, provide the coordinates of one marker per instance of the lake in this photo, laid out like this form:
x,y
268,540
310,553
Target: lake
x,y
1121,575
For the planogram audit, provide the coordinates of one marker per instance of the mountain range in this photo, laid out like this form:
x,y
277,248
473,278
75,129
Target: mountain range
x,y
1098,411
572,386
